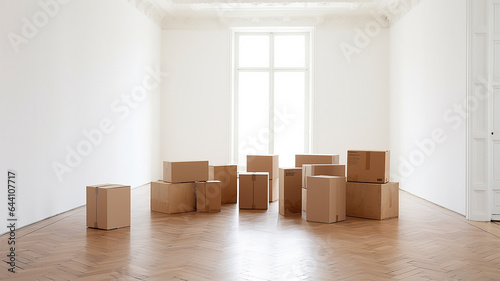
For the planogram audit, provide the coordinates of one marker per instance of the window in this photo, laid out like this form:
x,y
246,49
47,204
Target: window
x,y
271,82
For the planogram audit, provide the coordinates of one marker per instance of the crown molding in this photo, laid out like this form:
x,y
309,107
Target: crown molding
x,y
164,13
395,10
151,10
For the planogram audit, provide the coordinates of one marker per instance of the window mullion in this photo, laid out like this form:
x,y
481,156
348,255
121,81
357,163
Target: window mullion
x,y
271,93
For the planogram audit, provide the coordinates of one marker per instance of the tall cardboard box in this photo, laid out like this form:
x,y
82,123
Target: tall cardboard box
x,y
185,171
302,159
254,191
373,200
108,206
269,164
228,176
309,170
290,196
173,198
368,166
208,196
304,199
326,199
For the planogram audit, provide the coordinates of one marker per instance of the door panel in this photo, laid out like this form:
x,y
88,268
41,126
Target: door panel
x,y
495,152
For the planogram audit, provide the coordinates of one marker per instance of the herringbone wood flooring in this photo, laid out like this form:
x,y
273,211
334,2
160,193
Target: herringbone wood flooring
x,y
425,243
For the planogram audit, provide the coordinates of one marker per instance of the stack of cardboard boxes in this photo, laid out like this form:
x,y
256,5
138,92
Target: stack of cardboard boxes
x,y
260,184
307,159
186,188
269,164
317,185
323,187
369,192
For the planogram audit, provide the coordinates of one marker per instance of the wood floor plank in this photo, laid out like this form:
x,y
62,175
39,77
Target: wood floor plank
x,y
426,243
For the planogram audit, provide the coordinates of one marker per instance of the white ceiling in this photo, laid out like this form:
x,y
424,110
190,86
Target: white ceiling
x,y
282,8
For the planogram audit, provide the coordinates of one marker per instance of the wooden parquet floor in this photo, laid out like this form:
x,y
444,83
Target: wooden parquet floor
x,y
426,243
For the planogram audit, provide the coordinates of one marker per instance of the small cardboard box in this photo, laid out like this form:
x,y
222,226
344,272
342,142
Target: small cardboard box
x,y
302,159
186,171
326,199
173,198
309,170
373,200
108,206
274,189
368,166
304,199
290,195
254,191
227,175
264,163
208,194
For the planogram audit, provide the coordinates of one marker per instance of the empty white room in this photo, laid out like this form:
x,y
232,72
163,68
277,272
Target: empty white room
x,y
250,139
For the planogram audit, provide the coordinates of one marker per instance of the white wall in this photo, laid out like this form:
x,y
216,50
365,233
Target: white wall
x,y
351,103
428,79
64,80
196,102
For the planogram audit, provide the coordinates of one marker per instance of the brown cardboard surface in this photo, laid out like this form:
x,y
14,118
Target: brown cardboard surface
x,y
274,189
372,200
227,175
304,199
254,191
208,196
264,163
309,170
290,191
173,198
108,206
368,166
302,159
326,199
185,171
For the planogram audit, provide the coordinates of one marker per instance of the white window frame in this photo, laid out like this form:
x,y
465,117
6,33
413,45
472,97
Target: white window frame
x,y
308,32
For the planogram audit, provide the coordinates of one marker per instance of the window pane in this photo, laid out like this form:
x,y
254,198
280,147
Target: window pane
x,y
289,51
254,51
289,103
253,113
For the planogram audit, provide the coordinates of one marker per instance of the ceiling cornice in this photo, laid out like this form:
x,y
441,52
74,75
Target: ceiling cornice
x,y
397,9
164,12
151,10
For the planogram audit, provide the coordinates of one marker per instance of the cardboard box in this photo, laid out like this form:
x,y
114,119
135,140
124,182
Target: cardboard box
x,y
368,166
290,191
264,163
108,206
173,198
254,191
304,199
228,176
302,159
326,199
187,171
274,189
309,170
208,196
373,200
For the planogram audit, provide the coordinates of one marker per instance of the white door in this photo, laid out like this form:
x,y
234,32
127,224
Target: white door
x,y
495,110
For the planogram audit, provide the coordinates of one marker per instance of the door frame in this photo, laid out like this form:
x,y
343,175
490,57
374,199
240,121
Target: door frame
x,y
479,117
